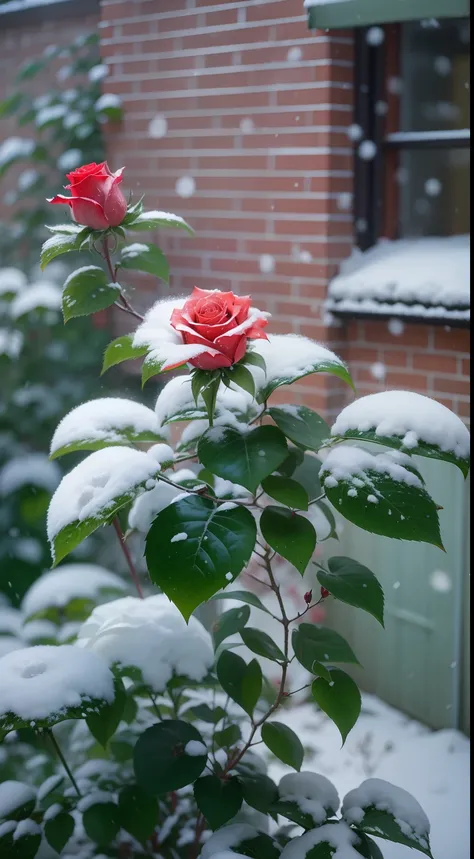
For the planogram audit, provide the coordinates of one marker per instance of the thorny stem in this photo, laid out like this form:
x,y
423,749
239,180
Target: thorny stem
x,y
125,306
128,557
63,760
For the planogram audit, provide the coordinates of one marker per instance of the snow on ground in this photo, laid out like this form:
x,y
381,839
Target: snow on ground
x,y
386,744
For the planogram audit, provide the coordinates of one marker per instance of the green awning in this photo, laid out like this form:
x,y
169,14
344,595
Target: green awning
x,y
331,14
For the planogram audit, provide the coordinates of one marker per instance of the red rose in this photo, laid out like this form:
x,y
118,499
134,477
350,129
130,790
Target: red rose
x,y
96,200
223,322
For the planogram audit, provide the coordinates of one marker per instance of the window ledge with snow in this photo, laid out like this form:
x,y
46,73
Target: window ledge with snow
x,y
425,280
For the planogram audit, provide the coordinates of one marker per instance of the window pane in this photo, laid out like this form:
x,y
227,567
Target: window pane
x,y
434,75
433,192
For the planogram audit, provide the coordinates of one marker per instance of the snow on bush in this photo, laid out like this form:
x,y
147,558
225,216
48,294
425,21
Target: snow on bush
x,y
71,581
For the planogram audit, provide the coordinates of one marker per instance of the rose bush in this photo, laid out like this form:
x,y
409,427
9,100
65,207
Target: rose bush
x,y
96,200
221,320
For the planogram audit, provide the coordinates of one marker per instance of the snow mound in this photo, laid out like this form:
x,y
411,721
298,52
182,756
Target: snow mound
x,y
108,420
148,505
380,794
71,581
12,280
42,681
227,838
10,621
8,643
90,488
313,794
339,836
412,417
288,357
14,794
32,469
39,295
346,462
11,343
176,399
430,275
151,635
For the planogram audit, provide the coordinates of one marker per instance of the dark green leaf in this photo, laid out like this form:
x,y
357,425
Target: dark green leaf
x,y
368,848
138,812
103,725
254,360
147,221
301,425
120,350
23,846
239,375
244,458
382,824
292,536
292,461
160,760
86,291
145,257
354,584
209,395
314,643
339,699
229,623
260,643
329,515
307,473
259,791
218,543
321,671
207,714
286,491
101,822
219,801
10,105
19,807
62,243
58,830
228,736
242,596
284,743
241,682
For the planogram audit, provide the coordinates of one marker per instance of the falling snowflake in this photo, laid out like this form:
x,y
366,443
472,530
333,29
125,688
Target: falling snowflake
x,y
247,126
185,186
375,36
294,55
433,187
442,66
396,327
378,370
354,132
266,263
440,581
344,201
158,126
367,150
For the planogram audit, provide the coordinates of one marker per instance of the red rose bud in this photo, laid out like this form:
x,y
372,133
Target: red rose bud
x,y
96,200
324,593
223,322
308,597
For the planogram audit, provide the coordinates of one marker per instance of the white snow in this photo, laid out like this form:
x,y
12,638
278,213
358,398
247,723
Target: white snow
x,y
289,356
346,462
147,506
375,36
367,150
185,186
27,827
161,453
50,114
12,280
384,796
176,400
15,147
433,187
412,417
378,370
49,785
98,73
57,588
178,538
38,295
440,581
294,54
10,621
267,263
426,274
195,749
69,160
32,469
91,488
228,837
11,343
354,132
14,794
165,344
108,99
38,682
339,836
27,179
9,643
109,419
158,126
314,794
247,125
7,826
152,635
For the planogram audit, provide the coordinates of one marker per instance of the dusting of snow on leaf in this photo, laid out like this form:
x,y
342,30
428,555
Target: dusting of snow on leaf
x,y
289,357
57,588
40,682
406,415
108,99
151,635
26,827
166,347
15,147
32,469
195,749
341,839
380,794
314,794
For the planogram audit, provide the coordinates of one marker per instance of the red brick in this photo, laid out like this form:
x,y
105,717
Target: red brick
x,y
451,386
435,362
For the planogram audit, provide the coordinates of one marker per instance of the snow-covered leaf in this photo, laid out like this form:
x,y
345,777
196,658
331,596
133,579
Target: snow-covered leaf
x,y
86,291
147,221
121,349
62,243
104,422
339,699
307,798
17,800
334,839
409,422
301,425
194,548
383,494
70,592
103,725
242,457
241,839
93,492
145,257
351,582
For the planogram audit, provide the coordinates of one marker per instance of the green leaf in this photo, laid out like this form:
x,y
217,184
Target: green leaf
x,y
259,791
209,394
329,515
302,367
101,822
121,349
228,736
352,583
321,670
218,543
160,760
377,502
382,824
10,105
243,458
286,491
145,257
339,699
20,801
62,243
103,725
284,743
147,221
292,536
260,643
314,643
254,360
86,291
30,70
307,473
207,714
58,830
229,623
368,848
242,596
23,846
239,375
219,801
301,425
291,463
138,812
241,682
